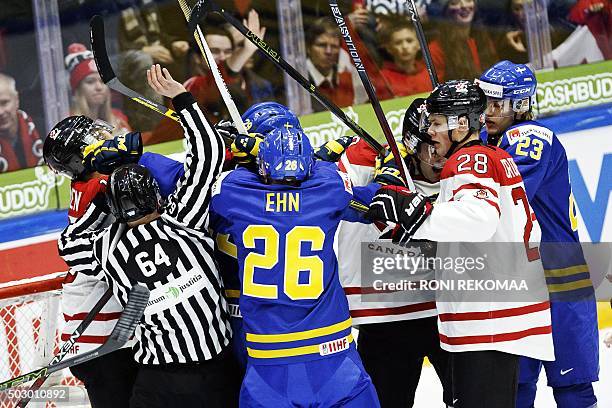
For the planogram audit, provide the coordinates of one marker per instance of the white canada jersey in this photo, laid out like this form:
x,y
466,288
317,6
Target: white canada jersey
x,y
358,162
81,292
482,200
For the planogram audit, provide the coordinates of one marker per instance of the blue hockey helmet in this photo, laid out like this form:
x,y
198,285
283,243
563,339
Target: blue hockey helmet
x,y
258,114
509,81
285,121
285,155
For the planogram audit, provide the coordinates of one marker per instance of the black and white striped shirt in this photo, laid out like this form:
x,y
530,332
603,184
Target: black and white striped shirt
x,y
186,319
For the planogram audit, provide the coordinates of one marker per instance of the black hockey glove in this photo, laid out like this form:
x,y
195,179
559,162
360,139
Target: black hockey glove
x,y
227,130
387,171
332,150
105,156
399,205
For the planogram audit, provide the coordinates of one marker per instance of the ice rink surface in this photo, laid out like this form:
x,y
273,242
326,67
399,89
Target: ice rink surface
x,y
429,392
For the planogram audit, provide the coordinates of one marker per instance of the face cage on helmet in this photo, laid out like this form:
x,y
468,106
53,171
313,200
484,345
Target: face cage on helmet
x,y
72,171
98,129
414,147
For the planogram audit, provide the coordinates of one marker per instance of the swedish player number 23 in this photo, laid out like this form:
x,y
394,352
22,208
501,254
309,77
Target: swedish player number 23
x,y
526,143
295,262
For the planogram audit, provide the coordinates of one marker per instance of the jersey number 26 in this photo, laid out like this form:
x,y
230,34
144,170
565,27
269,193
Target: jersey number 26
x,y
294,262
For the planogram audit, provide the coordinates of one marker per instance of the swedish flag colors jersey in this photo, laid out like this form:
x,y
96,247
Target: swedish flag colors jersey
x,y
542,162
292,303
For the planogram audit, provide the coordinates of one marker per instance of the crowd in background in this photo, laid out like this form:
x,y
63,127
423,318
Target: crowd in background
x,y
464,37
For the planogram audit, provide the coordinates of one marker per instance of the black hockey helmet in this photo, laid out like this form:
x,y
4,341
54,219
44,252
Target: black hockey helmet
x,y
458,98
411,134
63,147
133,193
455,99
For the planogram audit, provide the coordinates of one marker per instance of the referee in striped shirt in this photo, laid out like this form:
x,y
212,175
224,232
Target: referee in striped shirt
x,y
183,337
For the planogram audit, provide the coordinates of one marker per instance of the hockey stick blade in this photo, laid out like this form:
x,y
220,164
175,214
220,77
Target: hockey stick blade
x,y
277,60
68,344
105,69
130,317
133,311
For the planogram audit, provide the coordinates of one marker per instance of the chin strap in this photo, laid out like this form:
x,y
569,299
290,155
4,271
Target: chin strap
x,y
454,144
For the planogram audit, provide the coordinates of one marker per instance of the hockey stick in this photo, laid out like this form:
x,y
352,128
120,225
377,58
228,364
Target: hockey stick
x,y
431,69
105,69
192,18
274,56
367,84
67,346
137,302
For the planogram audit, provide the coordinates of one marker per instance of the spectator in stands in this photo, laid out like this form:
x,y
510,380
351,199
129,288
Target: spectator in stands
x,y
597,16
404,70
90,96
341,86
466,45
150,32
20,144
512,45
245,86
367,15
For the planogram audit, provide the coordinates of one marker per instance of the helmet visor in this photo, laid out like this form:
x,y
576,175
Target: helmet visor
x,y
499,108
437,123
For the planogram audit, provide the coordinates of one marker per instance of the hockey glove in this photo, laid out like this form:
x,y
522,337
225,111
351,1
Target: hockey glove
x,y
105,156
399,205
387,171
246,147
332,150
227,130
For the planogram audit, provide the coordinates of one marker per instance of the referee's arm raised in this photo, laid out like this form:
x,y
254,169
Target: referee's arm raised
x,y
188,205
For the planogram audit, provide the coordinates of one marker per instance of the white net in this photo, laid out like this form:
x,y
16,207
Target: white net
x,y
29,338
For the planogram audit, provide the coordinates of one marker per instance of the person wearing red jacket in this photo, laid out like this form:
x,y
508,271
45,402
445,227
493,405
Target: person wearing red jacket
x,y
20,143
404,69
597,16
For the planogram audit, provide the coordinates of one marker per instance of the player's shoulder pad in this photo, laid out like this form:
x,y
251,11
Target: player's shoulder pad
x,y
360,153
528,130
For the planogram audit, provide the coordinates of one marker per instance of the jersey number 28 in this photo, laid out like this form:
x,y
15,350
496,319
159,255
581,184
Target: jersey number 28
x,y
294,262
